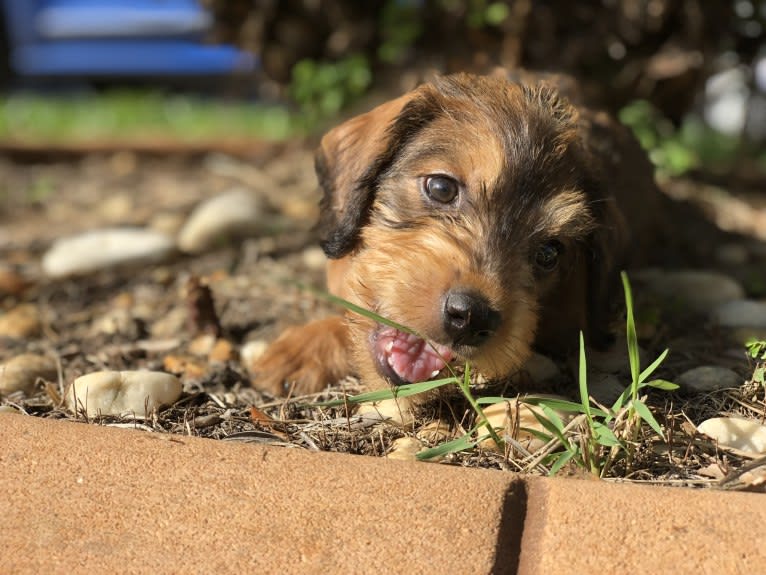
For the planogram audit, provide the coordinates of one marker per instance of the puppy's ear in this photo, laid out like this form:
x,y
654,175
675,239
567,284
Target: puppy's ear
x,y
348,162
606,257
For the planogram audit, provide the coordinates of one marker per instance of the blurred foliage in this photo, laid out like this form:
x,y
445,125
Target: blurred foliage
x,y
620,50
678,150
139,114
322,89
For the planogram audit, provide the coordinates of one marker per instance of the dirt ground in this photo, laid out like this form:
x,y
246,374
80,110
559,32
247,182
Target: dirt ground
x,y
149,318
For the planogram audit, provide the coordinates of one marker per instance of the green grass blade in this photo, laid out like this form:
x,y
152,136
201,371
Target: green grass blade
x,y
644,413
558,432
561,460
493,399
561,405
583,380
631,330
380,395
460,444
541,435
604,436
655,364
663,384
333,299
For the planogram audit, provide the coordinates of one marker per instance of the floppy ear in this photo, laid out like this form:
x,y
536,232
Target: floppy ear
x,y
605,259
348,163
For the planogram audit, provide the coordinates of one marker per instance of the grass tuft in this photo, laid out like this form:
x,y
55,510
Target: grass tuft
x,y
593,440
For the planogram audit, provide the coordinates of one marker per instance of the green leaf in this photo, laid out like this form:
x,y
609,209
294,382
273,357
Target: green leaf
x,y
631,330
583,379
644,413
380,395
663,384
493,399
561,405
356,309
557,432
561,460
541,435
655,364
604,436
460,444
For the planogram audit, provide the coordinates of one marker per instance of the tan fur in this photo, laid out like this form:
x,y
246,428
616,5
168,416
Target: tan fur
x,y
530,171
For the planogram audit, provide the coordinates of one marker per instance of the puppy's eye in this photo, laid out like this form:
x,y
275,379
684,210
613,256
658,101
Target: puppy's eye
x,y
547,255
442,189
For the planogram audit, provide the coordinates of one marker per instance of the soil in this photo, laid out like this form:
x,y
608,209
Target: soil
x,y
153,317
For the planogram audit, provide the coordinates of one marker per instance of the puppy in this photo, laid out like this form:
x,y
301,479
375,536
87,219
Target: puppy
x,y
491,215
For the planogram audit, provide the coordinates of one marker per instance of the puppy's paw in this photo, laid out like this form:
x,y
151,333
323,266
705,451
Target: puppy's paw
x,y
304,359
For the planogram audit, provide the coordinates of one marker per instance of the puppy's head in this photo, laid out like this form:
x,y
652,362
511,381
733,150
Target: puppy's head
x,y
471,211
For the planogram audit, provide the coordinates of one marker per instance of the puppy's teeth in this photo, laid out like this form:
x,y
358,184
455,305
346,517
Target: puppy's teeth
x,y
390,360
389,346
434,373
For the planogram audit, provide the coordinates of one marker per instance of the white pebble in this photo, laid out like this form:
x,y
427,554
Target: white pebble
x,y
737,433
117,392
605,387
392,410
505,415
252,351
405,449
698,290
314,258
743,313
233,214
105,248
707,378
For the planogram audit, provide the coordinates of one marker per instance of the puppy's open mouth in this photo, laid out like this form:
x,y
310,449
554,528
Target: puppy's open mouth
x,y
405,358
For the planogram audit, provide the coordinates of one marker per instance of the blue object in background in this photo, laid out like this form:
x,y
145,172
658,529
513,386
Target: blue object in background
x,y
110,38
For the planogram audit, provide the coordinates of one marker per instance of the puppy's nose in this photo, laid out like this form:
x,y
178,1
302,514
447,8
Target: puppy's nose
x,y
468,318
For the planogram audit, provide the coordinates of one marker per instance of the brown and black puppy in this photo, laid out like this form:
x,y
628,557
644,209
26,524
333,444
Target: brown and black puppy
x,y
489,215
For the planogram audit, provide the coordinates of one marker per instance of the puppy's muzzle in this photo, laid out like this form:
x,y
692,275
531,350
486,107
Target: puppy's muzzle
x,y
468,319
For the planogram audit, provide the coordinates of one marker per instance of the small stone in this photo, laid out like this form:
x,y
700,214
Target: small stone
x,y
116,320
202,345
20,322
392,410
708,378
187,366
732,254
117,392
251,351
116,207
11,281
405,449
314,258
615,359
222,351
744,435
168,223
170,325
605,387
696,289
22,372
234,214
516,418
742,313
105,248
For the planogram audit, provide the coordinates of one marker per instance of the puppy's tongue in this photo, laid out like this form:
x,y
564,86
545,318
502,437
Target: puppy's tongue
x,y
411,358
